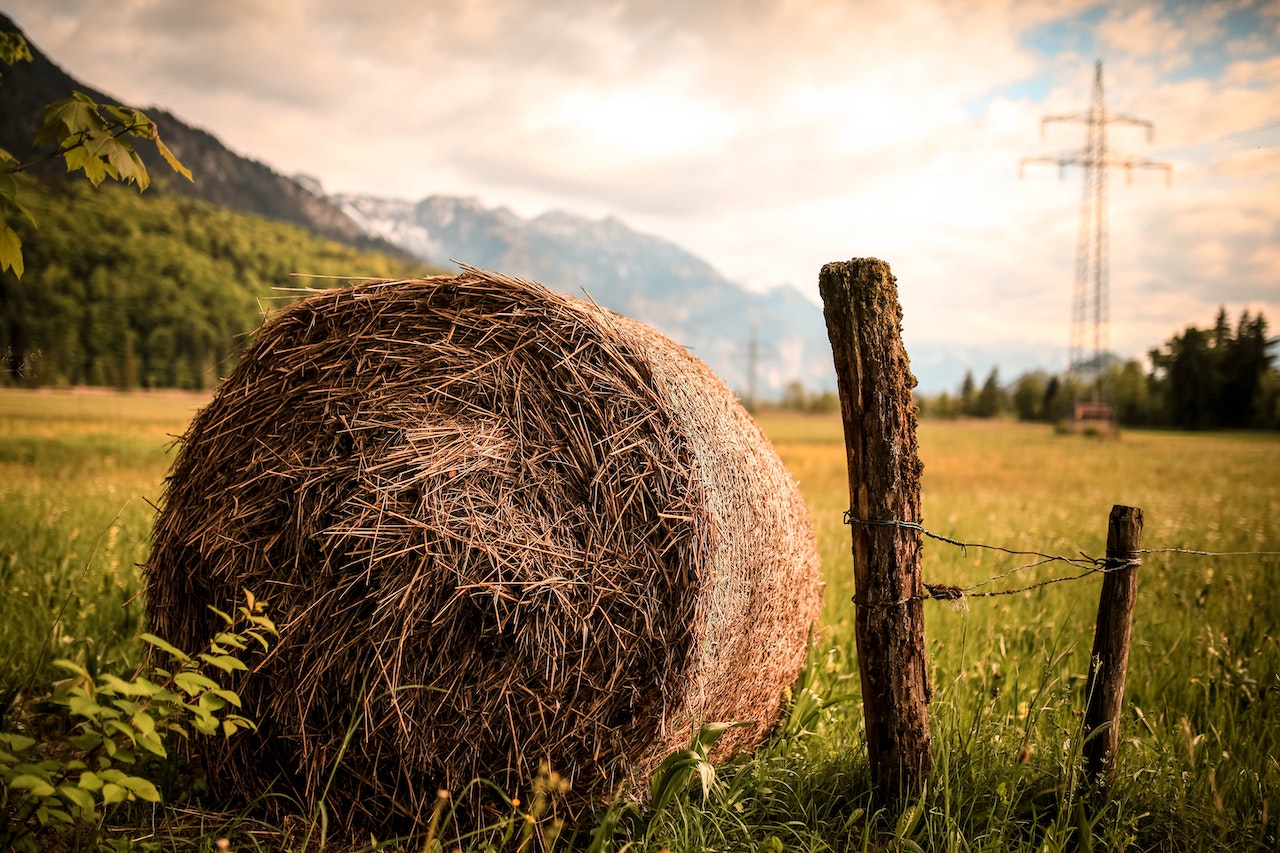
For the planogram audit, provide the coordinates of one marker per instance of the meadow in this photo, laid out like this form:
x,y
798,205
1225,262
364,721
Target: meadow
x,y
1199,764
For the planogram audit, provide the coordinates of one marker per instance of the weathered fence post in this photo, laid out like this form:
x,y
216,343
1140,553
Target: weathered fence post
x,y
1109,663
860,303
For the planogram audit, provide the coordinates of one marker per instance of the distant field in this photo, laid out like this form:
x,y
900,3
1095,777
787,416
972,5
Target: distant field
x,y
1200,738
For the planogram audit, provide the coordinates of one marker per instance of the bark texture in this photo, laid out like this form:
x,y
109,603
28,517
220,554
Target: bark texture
x,y
860,303
1109,663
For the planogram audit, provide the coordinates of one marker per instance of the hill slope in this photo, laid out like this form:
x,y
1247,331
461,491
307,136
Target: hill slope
x,y
142,291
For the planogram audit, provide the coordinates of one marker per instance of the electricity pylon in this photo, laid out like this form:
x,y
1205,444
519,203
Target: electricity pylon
x,y
1091,299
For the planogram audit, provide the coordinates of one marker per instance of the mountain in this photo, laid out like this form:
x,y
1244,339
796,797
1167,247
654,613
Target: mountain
x,y
223,178
635,274
653,280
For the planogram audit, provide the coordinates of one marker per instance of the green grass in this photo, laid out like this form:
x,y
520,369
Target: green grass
x,y
1200,739
1201,736
78,475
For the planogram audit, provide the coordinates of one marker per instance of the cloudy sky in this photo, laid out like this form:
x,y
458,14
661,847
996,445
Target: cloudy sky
x,y
767,136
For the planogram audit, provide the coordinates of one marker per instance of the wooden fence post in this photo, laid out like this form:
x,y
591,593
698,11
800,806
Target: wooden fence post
x,y
860,303
1109,663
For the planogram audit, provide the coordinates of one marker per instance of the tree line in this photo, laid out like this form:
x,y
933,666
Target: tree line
x,y
154,291
1221,377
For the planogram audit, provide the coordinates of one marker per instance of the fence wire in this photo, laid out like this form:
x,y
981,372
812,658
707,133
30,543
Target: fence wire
x,y
1088,565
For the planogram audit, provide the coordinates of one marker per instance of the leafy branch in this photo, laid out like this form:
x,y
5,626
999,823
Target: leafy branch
x,y
114,724
90,137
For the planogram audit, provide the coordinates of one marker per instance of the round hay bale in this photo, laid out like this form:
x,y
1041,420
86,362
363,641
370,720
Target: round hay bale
x,y
497,526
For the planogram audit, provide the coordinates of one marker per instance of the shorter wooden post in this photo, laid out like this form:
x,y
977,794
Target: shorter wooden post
x,y
1109,663
860,303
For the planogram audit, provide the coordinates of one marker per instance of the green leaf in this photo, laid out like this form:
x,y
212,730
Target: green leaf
x,y
72,667
212,702
266,624
167,648
226,663
130,119
37,786
230,695
78,797
204,722
230,638
10,196
128,166
90,781
139,687
67,119
144,177
151,742
82,158
143,723
240,723
47,815
10,250
672,777
17,742
712,732
87,740
120,728
143,788
192,683
84,706
113,793
121,161
257,635
171,159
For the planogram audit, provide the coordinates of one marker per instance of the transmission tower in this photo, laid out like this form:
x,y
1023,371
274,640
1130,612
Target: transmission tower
x,y
1090,303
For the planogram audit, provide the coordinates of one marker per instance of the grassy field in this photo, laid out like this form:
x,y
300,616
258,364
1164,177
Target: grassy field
x,y
1199,766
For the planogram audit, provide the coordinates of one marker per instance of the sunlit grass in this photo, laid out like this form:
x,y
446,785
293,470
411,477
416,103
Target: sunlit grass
x,y
1008,672
78,476
1198,766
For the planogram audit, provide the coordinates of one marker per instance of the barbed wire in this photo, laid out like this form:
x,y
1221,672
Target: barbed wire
x,y
1090,565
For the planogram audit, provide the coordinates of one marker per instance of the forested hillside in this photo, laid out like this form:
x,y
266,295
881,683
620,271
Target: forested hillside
x,y
147,291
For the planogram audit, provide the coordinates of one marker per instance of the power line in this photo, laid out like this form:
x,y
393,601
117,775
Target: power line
x,y
1226,84
1219,137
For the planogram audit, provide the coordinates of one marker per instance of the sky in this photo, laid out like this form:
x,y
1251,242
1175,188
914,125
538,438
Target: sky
x,y
769,136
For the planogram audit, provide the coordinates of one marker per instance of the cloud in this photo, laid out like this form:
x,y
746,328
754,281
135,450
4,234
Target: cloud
x,y
1146,31
768,136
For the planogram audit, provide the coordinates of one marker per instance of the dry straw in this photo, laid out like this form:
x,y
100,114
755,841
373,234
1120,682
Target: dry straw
x,y
498,526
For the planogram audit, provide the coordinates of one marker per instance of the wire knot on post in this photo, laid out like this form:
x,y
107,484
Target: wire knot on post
x,y
1117,563
943,592
849,518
